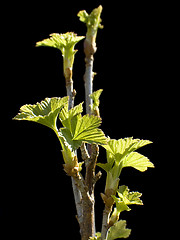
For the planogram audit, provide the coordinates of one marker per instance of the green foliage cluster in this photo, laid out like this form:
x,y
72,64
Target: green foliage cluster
x,y
92,21
77,129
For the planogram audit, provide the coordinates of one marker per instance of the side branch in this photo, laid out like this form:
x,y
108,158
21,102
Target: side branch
x,y
105,224
108,201
90,167
89,50
69,86
76,181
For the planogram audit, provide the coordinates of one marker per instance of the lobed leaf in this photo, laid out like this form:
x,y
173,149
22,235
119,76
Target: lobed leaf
x,y
78,128
122,153
95,106
137,161
83,129
66,116
93,19
86,128
65,43
124,146
45,112
127,197
118,230
61,41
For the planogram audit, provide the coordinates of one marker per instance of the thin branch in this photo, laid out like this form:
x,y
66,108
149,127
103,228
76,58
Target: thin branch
x,y
89,51
76,191
105,222
80,193
90,153
84,153
92,150
69,87
90,168
108,201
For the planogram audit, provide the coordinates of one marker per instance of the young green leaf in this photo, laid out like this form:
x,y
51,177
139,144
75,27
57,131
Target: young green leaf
x,y
78,129
122,153
66,116
95,97
93,22
86,128
122,147
61,41
127,197
93,19
119,230
137,161
83,129
65,43
45,112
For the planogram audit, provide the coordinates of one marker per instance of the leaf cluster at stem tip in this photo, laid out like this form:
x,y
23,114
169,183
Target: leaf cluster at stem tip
x,y
61,41
122,153
92,21
65,43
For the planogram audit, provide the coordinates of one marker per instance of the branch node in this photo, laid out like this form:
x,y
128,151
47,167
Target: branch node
x,y
84,153
97,177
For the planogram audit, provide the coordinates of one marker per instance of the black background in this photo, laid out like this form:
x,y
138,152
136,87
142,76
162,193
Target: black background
x,y
134,68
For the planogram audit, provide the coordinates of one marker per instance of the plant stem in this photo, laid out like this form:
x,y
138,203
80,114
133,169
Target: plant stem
x,y
88,82
88,199
105,223
92,150
69,87
89,50
77,194
108,201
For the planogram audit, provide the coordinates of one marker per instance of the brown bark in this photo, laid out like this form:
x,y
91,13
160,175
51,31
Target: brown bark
x,y
88,199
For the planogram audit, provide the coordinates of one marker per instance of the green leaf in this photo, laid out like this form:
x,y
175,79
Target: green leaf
x,y
86,128
75,144
67,151
93,19
45,112
106,166
118,230
66,116
125,198
137,161
129,198
61,41
65,43
83,129
95,97
120,205
121,147
122,153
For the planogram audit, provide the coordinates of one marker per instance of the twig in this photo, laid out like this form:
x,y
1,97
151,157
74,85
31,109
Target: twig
x,y
69,87
76,191
90,168
88,76
90,153
108,201
105,222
